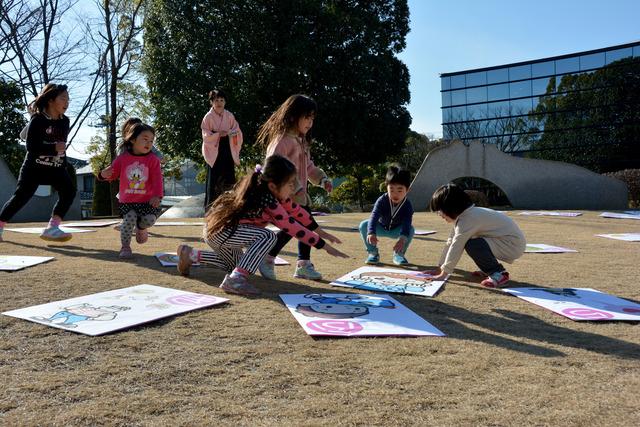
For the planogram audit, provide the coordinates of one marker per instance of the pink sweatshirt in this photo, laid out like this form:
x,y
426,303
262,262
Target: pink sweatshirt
x,y
295,150
212,123
140,177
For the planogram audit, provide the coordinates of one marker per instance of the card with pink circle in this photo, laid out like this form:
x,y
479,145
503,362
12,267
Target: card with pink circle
x,y
114,310
580,303
356,315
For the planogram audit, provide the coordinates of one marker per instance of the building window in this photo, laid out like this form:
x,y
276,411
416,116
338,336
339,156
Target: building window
x,y
497,76
498,92
567,65
589,62
457,82
615,55
543,69
520,72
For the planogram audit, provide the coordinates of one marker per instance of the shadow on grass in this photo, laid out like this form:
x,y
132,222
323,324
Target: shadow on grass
x,y
453,320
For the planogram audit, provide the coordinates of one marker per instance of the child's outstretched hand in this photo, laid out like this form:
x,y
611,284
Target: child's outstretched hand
x,y
372,239
106,173
399,246
334,252
155,201
328,236
327,185
436,274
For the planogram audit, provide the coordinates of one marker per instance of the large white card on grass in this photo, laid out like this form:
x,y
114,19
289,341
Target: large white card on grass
x,y
91,223
628,237
39,230
627,215
418,232
550,213
541,248
579,303
354,315
13,262
390,280
110,311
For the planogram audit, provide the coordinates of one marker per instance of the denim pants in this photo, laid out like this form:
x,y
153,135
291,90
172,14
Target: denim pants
x,y
394,233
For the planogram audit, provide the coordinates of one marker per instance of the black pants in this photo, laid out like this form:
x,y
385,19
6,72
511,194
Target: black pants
x,y
480,252
304,250
220,178
33,175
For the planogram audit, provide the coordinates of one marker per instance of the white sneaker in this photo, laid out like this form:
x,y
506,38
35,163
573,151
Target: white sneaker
x,y
54,234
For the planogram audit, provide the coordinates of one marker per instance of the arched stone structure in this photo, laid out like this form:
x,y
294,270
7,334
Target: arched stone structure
x,y
38,208
528,183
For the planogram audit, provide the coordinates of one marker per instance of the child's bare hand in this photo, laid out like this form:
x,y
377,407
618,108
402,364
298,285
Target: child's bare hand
x,y
155,201
434,272
372,239
399,246
334,252
328,236
107,173
61,147
223,133
328,186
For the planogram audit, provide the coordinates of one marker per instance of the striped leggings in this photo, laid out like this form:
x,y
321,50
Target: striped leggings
x,y
228,248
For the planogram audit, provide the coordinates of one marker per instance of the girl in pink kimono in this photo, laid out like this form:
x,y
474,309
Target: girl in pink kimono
x,y
286,133
221,143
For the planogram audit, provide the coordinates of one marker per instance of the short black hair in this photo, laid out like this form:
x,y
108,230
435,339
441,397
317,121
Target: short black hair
x,y
217,93
451,200
397,175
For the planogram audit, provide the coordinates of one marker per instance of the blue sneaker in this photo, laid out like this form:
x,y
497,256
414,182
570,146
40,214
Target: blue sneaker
x,y
399,259
54,234
307,271
373,259
267,270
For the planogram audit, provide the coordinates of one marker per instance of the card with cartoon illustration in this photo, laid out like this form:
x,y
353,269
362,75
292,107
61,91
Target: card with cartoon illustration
x,y
110,311
393,280
352,315
579,303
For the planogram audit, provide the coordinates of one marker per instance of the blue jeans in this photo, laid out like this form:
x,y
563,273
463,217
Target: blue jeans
x,y
394,233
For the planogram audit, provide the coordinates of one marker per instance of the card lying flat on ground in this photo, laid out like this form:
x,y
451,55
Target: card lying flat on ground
x,y
175,223
628,237
169,259
111,311
550,213
424,232
353,315
39,230
626,215
541,248
390,280
13,262
579,303
90,223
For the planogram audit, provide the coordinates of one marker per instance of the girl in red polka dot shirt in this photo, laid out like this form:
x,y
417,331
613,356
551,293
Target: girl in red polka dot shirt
x,y
235,226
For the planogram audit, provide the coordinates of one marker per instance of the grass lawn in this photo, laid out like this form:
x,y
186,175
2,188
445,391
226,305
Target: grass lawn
x,y
504,361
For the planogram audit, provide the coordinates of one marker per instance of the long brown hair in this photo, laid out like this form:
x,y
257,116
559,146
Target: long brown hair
x,y
286,117
48,93
228,208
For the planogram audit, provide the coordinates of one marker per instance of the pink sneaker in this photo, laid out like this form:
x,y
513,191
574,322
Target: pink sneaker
x,y
496,280
125,252
142,236
238,286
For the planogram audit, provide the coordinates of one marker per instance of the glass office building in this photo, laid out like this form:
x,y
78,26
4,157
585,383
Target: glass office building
x,y
582,108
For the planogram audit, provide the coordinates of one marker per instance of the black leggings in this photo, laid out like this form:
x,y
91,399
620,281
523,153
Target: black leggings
x,y
304,250
33,175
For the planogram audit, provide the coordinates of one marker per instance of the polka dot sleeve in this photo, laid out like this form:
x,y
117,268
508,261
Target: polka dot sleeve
x,y
287,223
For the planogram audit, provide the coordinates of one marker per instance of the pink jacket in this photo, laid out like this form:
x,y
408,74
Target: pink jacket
x,y
212,123
297,152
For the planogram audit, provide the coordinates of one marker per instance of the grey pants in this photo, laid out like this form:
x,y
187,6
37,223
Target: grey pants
x,y
130,221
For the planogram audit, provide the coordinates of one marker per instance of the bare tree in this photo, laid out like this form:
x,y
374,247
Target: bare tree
x,y
37,50
117,38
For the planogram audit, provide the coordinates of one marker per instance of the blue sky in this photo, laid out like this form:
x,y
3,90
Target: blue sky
x,y
457,35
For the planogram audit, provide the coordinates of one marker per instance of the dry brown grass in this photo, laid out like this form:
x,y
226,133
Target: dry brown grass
x,y
504,362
